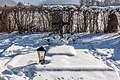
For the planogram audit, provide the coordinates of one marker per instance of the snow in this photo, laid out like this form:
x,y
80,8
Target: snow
x,y
62,50
75,57
75,76
11,77
83,8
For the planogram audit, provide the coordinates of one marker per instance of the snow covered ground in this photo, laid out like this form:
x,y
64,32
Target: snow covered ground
x,y
76,57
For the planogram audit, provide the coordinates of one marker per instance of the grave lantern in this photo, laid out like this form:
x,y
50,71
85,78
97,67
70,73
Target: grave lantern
x,y
41,54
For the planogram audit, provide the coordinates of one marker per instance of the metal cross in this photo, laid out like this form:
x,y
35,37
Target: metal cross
x,y
61,24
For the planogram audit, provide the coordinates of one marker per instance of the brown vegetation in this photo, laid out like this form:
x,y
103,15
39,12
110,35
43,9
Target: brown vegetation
x,y
38,18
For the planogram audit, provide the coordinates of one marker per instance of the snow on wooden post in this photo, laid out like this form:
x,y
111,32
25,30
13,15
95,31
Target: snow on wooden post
x,y
61,23
41,54
112,22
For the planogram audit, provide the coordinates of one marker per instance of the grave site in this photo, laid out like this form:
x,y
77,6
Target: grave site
x,y
62,61
59,42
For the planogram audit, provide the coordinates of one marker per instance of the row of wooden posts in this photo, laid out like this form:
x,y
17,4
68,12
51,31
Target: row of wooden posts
x,y
35,18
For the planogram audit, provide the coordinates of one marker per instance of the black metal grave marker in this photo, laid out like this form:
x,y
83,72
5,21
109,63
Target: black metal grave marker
x,y
61,24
